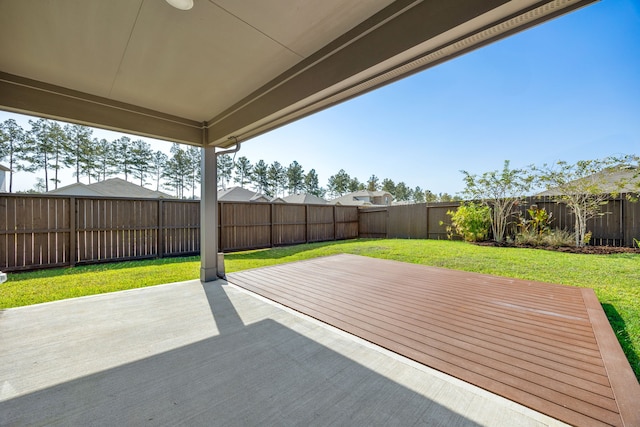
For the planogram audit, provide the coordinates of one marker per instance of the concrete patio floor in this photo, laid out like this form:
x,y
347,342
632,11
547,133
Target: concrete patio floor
x,y
214,354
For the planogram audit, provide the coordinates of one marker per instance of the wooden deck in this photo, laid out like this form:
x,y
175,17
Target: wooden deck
x,y
548,347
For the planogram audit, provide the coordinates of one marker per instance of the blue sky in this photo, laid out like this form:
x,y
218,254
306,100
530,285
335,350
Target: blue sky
x,y
568,89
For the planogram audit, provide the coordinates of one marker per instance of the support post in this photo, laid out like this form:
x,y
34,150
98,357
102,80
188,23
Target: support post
x,y
73,232
209,216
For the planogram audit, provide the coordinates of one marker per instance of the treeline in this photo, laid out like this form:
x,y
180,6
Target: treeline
x,y
49,147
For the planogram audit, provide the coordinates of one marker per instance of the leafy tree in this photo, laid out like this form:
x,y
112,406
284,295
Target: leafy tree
x,y
499,190
47,143
389,186
141,158
225,170
430,197
295,178
402,192
373,184
339,183
311,184
584,187
261,177
243,171
418,195
445,197
158,162
12,146
80,153
277,176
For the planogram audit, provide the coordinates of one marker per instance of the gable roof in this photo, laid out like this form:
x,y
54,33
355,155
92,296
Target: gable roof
x,y
4,169
112,187
356,198
239,194
609,181
305,198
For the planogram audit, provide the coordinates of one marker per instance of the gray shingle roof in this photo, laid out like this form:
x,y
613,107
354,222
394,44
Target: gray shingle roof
x,y
112,187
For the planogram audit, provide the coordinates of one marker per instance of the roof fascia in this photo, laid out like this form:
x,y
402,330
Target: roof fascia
x,y
26,96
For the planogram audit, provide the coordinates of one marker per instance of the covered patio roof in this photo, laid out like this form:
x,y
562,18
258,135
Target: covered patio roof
x,y
226,71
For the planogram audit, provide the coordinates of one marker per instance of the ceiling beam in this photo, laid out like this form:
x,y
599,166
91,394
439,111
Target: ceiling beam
x,y
26,96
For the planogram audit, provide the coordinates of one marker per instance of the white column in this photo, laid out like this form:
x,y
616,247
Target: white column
x,y
209,216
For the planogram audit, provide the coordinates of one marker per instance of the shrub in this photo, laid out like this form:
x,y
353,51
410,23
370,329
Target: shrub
x,y
471,221
555,238
558,238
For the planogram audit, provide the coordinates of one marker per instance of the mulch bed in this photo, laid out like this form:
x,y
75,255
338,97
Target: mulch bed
x,y
596,250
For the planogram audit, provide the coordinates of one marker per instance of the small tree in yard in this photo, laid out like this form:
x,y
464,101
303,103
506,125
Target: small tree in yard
x,y
500,191
584,187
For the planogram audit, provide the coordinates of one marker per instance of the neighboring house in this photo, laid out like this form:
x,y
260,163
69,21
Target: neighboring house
x,y
112,187
239,194
364,198
3,178
306,199
609,182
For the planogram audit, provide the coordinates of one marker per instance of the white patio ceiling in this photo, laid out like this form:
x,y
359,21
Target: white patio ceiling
x,y
230,69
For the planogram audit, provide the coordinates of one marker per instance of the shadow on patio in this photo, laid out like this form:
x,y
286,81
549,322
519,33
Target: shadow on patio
x,y
155,356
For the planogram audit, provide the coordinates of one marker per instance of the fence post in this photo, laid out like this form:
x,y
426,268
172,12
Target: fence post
x,y
271,234
160,234
427,209
335,220
72,232
306,223
221,225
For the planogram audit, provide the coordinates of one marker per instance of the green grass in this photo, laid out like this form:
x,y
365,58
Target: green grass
x,y
615,278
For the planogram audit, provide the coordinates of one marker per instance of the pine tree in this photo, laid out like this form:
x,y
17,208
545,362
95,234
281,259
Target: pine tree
x,y
12,146
141,158
79,154
355,185
311,184
177,170
195,159
46,145
122,158
243,170
105,158
402,192
389,186
418,195
158,163
295,178
261,177
225,170
339,183
373,183
277,177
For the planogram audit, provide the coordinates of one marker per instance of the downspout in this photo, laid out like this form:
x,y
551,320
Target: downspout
x,y
220,255
230,151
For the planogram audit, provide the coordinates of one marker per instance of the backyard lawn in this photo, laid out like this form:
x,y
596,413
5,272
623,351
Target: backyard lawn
x,y
615,278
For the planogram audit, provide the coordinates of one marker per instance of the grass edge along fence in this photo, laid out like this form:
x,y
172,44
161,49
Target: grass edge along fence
x,y
620,226
42,231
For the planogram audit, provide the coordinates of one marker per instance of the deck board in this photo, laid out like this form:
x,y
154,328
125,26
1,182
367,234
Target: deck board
x,y
533,343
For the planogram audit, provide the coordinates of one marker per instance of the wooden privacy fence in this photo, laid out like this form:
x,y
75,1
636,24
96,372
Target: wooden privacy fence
x,y
618,227
38,231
